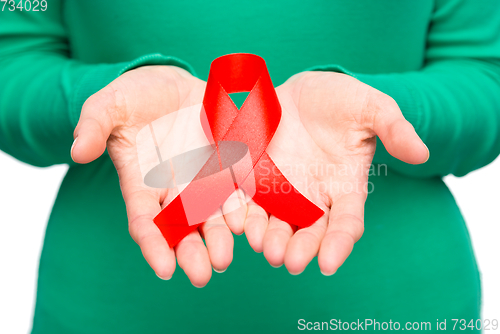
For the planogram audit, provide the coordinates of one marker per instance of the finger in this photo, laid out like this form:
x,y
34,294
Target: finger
x,y
304,246
275,241
256,223
94,126
345,227
219,242
397,134
235,211
193,258
142,207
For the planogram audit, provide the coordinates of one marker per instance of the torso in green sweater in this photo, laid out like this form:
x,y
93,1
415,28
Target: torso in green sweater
x,y
413,263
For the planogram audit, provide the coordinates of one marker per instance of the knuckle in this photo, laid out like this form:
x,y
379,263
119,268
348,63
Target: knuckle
x,y
310,237
255,216
378,107
215,226
143,239
350,225
136,224
190,247
102,99
381,102
92,103
110,101
280,231
132,230
115,102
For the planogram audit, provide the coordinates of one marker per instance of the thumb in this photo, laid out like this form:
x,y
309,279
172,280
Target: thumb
x,y
94,126
397,134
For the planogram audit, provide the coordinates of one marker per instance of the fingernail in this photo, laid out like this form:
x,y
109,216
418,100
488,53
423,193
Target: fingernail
x,y
276,266
326,273
164,278
72,147
219,271
428,153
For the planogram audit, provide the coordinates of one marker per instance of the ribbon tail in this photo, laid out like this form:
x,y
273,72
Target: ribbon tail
x,y
279,197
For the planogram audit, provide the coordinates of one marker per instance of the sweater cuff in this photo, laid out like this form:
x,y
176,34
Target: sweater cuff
x,y
97,76
392,84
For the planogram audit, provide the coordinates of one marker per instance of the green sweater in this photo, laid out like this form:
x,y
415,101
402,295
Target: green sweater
x,y
439,59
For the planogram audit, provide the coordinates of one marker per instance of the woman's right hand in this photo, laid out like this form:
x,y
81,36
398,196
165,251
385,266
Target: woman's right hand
x,y
112,118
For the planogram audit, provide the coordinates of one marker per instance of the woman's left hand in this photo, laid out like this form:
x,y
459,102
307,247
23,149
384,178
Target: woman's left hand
x,y
325,145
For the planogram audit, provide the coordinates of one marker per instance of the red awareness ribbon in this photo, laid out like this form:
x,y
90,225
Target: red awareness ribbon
x,y
254,125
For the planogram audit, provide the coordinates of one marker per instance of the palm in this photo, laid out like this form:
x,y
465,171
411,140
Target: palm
x,y
327,159
114,117
137,91
324,145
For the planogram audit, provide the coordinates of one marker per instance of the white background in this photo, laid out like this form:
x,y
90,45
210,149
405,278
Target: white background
x,y
27,194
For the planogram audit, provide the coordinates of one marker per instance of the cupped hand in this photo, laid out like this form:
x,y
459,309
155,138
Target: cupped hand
x,y
325,145
112,118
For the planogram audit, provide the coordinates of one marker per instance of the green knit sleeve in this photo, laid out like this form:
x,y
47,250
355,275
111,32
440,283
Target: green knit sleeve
x,y
454,100
42,89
